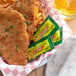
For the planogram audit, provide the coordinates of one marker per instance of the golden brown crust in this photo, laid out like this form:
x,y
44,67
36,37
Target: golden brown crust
x,y
14,39
26,8
30,10
6,3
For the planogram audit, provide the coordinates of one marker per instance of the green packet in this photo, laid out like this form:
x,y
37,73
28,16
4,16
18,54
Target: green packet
x,y
40,47
48,27
57,37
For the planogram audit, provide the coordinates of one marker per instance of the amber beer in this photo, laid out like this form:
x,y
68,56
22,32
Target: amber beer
x,y
66,7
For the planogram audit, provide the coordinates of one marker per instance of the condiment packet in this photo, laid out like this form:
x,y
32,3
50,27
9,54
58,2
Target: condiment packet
x,y
57,37
48,27
40,47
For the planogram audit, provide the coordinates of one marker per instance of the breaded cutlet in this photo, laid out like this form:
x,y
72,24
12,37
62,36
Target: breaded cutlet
x,y
14,39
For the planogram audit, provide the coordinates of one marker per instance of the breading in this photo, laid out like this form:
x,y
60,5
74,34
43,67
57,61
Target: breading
x,y
31,12
6,3
14,39
26,8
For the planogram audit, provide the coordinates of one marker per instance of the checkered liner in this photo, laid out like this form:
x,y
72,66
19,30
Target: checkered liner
x,y
14,70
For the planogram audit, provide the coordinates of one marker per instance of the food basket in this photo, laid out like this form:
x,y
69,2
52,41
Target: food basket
x,y
15,70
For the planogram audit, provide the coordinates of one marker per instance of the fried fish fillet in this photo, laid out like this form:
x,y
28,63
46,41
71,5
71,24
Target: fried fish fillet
x,y
31,12
14,39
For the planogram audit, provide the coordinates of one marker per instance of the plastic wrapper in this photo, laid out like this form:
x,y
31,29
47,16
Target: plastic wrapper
x,y
48,27
40,47
57,37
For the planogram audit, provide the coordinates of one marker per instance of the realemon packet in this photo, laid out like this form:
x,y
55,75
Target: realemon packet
x,y
48,27
40,47
57,37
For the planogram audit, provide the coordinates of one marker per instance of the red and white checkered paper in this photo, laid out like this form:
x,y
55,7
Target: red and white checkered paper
x,y
14,70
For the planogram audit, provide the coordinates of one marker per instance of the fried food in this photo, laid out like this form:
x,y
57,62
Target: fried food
x,y
26,8
31,12
39,13
14,39
6,3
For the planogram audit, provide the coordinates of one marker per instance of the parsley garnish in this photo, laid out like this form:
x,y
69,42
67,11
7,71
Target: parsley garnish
x,y
0,54
18,48
18,10
28,23
23,15
8,58
6,29
11,26
6,35
16,1
24,22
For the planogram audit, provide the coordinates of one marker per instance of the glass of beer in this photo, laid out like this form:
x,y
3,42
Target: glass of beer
x,y
66,7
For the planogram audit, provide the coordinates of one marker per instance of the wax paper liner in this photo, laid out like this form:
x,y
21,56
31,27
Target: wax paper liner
x,y
14,70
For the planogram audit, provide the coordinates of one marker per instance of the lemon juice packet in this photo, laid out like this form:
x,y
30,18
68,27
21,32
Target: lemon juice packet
x,y
40,47
57,37
48,27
